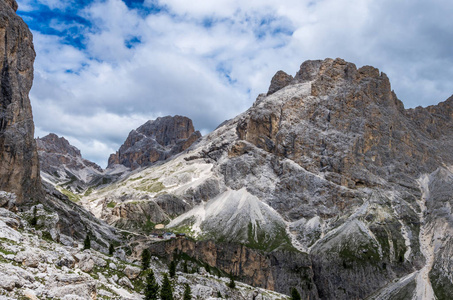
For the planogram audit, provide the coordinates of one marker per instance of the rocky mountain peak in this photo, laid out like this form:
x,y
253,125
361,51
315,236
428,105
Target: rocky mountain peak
x,y
168,130
329,76
63,166
12,3
54,144
154,141
279,81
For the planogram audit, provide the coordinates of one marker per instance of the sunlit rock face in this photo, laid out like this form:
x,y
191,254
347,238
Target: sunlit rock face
x,y
19,169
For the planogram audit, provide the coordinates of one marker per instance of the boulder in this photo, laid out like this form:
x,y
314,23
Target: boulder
x,y
29,258
131,272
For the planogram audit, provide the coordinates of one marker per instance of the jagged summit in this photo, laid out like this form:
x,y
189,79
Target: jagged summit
x,y
155,140
51,143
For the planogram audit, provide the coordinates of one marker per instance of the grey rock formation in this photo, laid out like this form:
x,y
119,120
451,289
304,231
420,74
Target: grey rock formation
x,y
155,141
62,165
19,169
279,81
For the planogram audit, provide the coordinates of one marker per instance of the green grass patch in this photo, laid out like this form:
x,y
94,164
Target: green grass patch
x,y
73,197
154,187
135,179
88,192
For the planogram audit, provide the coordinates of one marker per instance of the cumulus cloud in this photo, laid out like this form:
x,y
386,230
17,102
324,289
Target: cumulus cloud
x,y
104,67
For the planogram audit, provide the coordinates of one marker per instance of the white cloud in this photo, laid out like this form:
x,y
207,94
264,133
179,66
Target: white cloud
x,y
209,60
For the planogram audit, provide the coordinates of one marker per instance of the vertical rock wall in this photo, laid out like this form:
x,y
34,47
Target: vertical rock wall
x,y
19,168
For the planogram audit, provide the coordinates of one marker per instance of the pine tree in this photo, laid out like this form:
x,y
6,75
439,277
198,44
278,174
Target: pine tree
x,y
87,242
231,284
172,269
111,249
185,269
34,220
166,292
146,258
295,294
152,287
187,293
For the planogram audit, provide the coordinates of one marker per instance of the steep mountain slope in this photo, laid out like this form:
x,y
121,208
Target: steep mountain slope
x,y
19,169
62,165
154,141
328,163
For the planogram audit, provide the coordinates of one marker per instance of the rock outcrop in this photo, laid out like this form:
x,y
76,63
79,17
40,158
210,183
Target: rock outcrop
x,y
62,165
19,169
156,140
279,81
279,270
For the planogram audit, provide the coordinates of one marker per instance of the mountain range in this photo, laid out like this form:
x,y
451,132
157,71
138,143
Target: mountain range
x,y
327,184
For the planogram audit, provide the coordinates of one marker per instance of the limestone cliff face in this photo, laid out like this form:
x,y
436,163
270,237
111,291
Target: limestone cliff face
x,y
154,141
19,168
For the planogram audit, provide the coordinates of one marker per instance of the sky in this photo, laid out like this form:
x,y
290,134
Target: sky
x,y
105,67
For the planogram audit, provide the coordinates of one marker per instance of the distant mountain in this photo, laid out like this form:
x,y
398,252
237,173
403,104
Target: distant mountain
x,y
156,140
62,165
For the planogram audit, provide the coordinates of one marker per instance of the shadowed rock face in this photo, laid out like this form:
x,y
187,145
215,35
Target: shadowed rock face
x,y
19,168
155,141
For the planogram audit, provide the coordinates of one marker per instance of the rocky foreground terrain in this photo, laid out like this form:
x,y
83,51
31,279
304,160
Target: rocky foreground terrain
x,y
34,266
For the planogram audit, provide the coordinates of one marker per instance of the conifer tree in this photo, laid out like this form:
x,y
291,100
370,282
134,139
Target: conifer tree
x,y
146,258
231,284
295,294
166,292
172,269
187,292
87,242
185,269
152,287
111,249
34,220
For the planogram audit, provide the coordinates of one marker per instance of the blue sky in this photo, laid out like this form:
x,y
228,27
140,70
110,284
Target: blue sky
x,y
105,67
